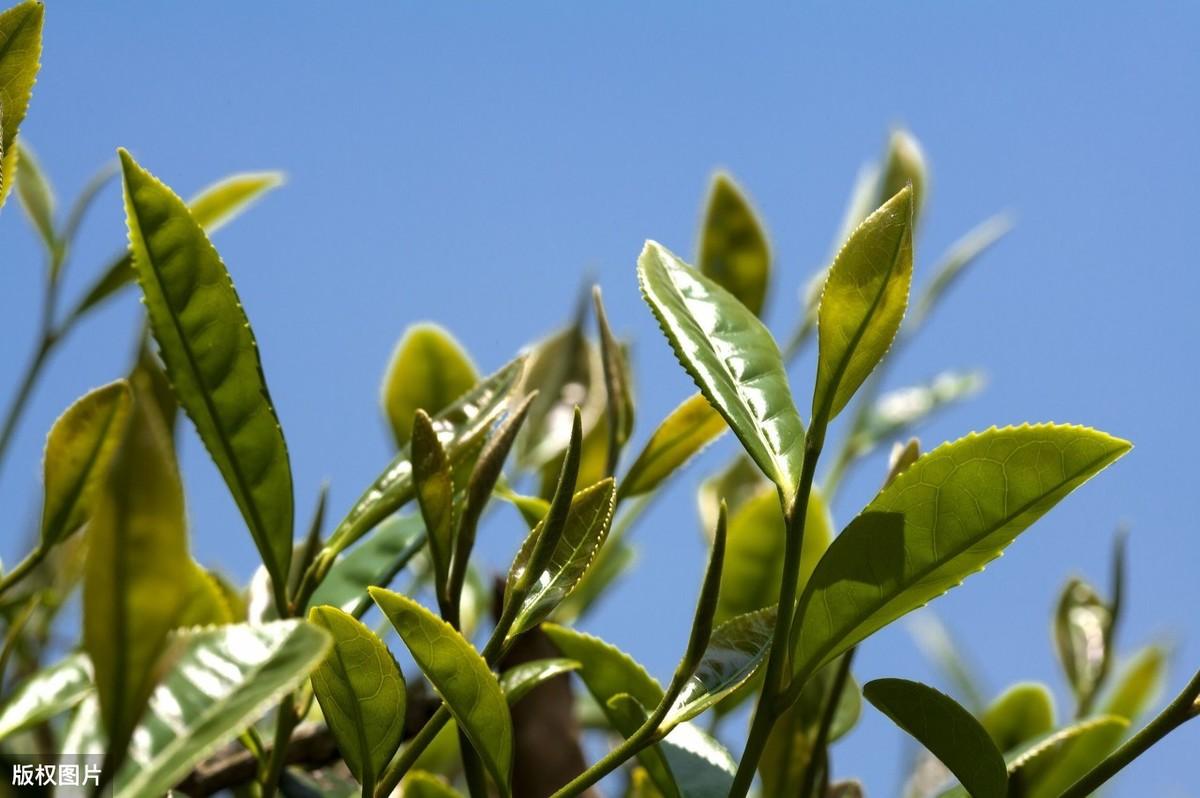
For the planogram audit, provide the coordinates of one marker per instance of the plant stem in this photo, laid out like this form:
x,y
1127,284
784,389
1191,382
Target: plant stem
x,y
20,400
285,722
821,743
1178,712
22,569
402,763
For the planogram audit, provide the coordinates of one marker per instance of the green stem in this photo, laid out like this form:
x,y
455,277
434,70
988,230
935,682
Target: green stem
x,y
821,743
20,401
285,723
756,742
22,569
1178,712
408,757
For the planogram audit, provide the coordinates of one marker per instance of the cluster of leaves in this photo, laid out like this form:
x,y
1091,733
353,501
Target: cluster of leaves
x,y
181,681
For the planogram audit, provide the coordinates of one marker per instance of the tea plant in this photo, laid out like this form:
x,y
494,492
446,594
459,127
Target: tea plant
x,y
183,682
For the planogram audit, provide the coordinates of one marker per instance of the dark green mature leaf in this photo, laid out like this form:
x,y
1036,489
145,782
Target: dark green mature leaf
x,y
862,304
20,54
373,562
735,651
362,694
37,198
459,428
681,436
435,495
947,730
79,449
566,370
587,525
222,681
732,358
460,676
518,680
212,360
212,209
733,246
45,694
428,371
943,519
1082,624
1022,713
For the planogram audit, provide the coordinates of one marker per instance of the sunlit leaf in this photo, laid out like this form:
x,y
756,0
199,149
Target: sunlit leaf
x,y
212,360
862,304
605,670
681,436
423,784
45,694
618,382
947,730
435,495
518,680
1021,713
899,411
947,516
904,165
902,456
1082,624
362,695
20,51
610,564
732,358
566,370
37,198
428,371
737,648
460,676
687,763
150,385
733,246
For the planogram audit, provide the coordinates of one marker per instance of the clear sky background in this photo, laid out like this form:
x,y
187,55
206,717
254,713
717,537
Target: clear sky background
x,y
469,163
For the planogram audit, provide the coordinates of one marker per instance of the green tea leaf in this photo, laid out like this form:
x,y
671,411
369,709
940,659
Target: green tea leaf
x,y
79,449
605,670
626,716
733,246
37,198
435,495
735,652
459,427
222,681
947,730
587,525
904,165
735,486
518,680
862,304
20,54
681,436
943,519
732,358
618,382
897,412
45,694
566,370
422,784
212,360
460,676
1022,713
373,562
1082,624
428,371
362,694
212,209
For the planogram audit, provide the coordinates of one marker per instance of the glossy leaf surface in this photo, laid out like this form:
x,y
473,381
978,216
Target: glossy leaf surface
x,y
947,730
428,371
687,762
20,54
79,449
1021,713
435,494
361,692
733,246
943,519
566,370
734,653
681,436
46,694
732,358
1082,624
212,360
518,680
862,304
460,676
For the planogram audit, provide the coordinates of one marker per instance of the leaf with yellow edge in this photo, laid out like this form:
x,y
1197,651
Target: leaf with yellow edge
x,y
20,54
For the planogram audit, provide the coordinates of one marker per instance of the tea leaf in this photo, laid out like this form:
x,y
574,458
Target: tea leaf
x,y
45,694
518,680
428,371
687,763
947,730
20,51
1022,713
435,496
212,360
862,304
961,254
734,653
735,485
1082,625
37,198
605,670
732,358
681,436
626,716
897,412
611,562
373,562
79,449
903,166
422,784
460,676
943,519
733,246
362,695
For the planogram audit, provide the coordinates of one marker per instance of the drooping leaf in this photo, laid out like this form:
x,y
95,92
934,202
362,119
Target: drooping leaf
x,y
435,495
1082,623
37,198
212,209
947,730
388,549
732,358
222,681
518,680
681,436
428,371
587,525
212,360
566,370
460,676
735,651
45,694
862,304
1021,713
362,694
943,519
459,428
79,450
20,54
733,246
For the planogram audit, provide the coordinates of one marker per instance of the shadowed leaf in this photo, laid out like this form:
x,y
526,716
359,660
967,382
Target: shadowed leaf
x,y
733,246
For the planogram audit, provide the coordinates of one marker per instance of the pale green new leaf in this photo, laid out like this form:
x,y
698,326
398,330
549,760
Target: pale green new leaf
x,y
1082,626
862,304
518,680
734,485
79,449
462,679
566,370
732,358
586,528
20,54
37,198
428,371
946,730
423,784
362,695
435,494
1021,713
605,670
904,165
733,246
373,562
948,515
212,360
734,653
45,694
681,436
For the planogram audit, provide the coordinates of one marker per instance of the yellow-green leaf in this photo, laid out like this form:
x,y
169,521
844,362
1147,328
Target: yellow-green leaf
x,y
435,495
733,246
1021,713
20,54
422,784
903,166
734,654
567,371
37,198
681,436
428,371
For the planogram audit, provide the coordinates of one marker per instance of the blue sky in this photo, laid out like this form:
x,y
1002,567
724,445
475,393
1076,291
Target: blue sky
x,y
470,164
